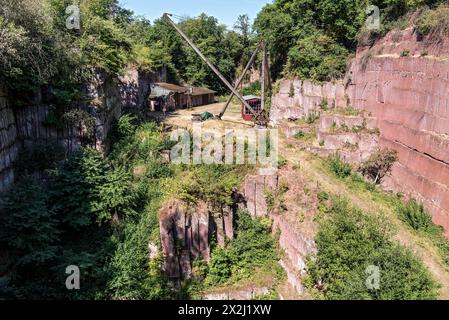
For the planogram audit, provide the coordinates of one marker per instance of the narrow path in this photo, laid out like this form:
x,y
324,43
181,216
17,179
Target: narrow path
x,y
313,172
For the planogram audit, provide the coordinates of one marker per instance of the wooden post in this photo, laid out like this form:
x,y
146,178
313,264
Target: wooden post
x,y
262,79
240,80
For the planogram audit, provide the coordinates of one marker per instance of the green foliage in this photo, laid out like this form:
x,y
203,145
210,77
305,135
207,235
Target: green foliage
x,y
378,164
317,57
349,241
414,214
312,117
339,166
434,23
315,39
78,178
299,135
405,53
30,228
310,38
252,249
324,105
212,183
219,46
123,127
116,196
39,158
253,89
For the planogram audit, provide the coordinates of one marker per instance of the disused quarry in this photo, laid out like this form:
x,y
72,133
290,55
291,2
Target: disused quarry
x,y
291,199
358,207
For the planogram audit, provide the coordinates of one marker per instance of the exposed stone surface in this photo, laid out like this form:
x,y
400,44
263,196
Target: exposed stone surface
x,y
135,86
108,97
296,240
409,98
254,192
328,121
354,147
307,97
8,141
186,233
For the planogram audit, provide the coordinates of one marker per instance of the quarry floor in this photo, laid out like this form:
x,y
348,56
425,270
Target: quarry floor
x,y
314,174
183,117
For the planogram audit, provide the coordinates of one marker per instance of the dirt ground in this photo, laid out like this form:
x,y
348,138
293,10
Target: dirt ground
x,y
232,118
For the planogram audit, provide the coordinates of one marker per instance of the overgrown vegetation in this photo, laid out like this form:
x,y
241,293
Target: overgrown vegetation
x,y
411,212
100,213
378,164
339,166
315,39
250,256
434,23
348,242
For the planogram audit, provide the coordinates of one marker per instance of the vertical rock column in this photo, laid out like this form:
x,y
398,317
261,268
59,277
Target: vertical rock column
x,y
255,189
8,142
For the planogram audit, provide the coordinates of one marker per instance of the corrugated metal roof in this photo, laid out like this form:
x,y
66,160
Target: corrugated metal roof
x,y
196,91
163,89
250,97
171,87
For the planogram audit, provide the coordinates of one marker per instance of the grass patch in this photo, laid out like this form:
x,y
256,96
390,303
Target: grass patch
x,y
339,166
305,136
347,111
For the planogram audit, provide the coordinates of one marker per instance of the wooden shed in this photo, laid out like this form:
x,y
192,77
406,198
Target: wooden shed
x,y
199,96
172,95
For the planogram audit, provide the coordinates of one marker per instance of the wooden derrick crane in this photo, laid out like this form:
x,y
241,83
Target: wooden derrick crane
x,y
260,118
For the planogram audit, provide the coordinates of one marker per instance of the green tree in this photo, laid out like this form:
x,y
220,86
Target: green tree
x,y
29,227
75,189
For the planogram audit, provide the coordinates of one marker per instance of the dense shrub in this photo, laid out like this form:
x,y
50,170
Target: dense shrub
x,y
30,228
434,23
414,214
348,242
378,164
252,249
339,166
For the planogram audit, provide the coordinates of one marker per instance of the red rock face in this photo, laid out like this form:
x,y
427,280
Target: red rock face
x,y
409,96
186,232
254,192
403,84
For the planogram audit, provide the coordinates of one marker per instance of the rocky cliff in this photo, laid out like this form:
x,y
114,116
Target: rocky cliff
x,y
107,97
401,83
186,233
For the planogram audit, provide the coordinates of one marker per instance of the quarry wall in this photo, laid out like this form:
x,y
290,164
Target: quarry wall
x,y
107,98
402,82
